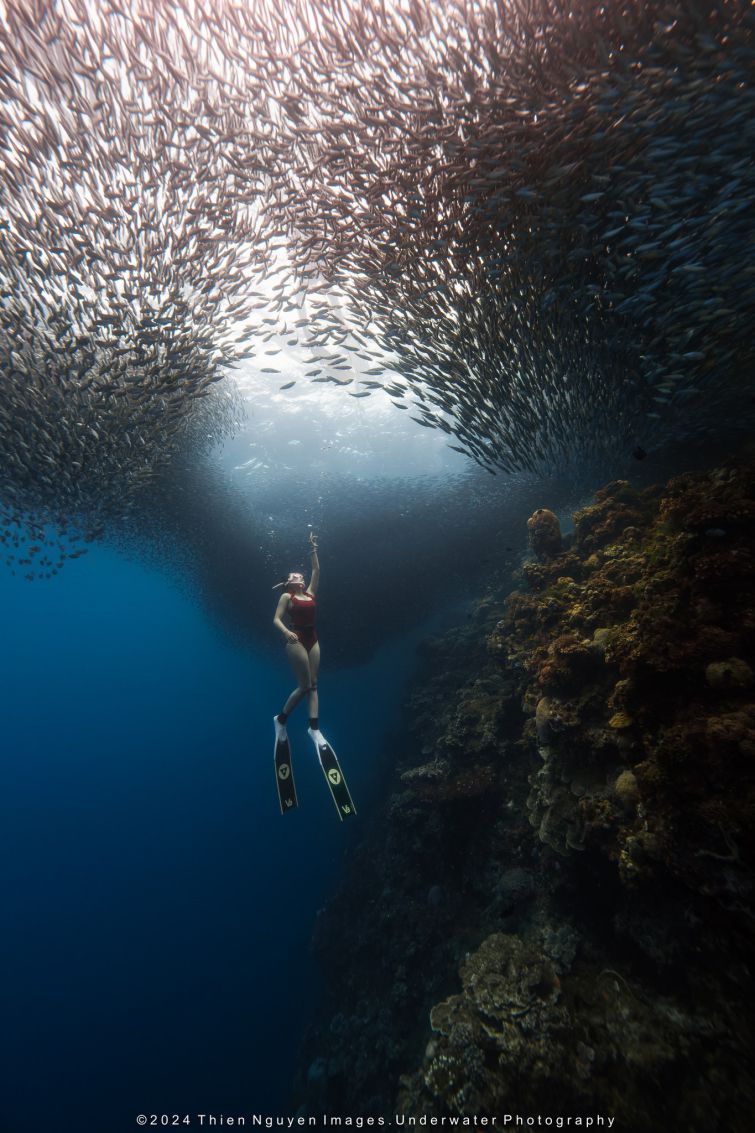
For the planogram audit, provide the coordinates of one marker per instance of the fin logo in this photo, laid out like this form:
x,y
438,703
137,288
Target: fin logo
x,y
284,771
334,776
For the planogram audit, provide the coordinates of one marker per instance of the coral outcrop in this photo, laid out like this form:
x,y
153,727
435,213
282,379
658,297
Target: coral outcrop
x,y
640,665
519,1033
545,534
573,835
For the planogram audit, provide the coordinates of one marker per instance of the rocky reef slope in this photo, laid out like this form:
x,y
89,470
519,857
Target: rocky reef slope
x,y
555,912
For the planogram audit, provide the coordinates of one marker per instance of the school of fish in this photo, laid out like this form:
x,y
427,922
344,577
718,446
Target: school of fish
x,y
531,223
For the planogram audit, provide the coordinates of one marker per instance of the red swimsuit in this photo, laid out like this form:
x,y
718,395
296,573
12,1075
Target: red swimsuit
x,y
302,613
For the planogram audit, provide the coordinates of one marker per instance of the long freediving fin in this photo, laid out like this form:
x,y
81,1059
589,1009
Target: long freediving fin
x,y
284,774
331,769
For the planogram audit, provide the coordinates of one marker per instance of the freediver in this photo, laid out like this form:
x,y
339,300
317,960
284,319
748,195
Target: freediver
x,y
298,605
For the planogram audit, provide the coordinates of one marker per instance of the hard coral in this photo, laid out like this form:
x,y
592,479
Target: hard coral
x,y
522,1030
564,665
467,784
627,789
717,501
508,1006
729,676
651,643
618,507
545,534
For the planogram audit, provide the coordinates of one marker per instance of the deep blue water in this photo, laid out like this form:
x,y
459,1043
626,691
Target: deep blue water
x,y
157,907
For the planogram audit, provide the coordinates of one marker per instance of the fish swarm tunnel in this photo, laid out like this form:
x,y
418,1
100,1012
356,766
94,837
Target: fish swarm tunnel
x,y
530,222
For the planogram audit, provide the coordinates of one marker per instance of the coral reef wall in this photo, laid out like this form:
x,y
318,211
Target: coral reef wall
x,y
555,911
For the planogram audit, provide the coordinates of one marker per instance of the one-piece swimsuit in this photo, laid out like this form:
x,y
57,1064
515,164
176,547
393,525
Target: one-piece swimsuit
x,y
302,614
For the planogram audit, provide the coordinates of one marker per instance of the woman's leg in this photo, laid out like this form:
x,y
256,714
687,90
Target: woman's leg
x,y
314,669
299,661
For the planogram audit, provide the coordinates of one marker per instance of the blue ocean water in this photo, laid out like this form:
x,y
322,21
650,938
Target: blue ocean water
x,y
157,907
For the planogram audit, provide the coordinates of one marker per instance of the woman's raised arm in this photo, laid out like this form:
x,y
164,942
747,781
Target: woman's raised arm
x,y
315,579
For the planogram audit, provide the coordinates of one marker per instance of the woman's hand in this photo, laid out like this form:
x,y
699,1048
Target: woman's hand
x,y
291,638
313,540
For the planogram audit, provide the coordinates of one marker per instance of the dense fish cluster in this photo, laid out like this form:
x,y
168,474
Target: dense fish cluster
x,y
530,221
543,212
128,252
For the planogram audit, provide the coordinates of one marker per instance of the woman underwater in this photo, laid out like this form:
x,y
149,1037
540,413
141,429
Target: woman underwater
x,y
298,604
